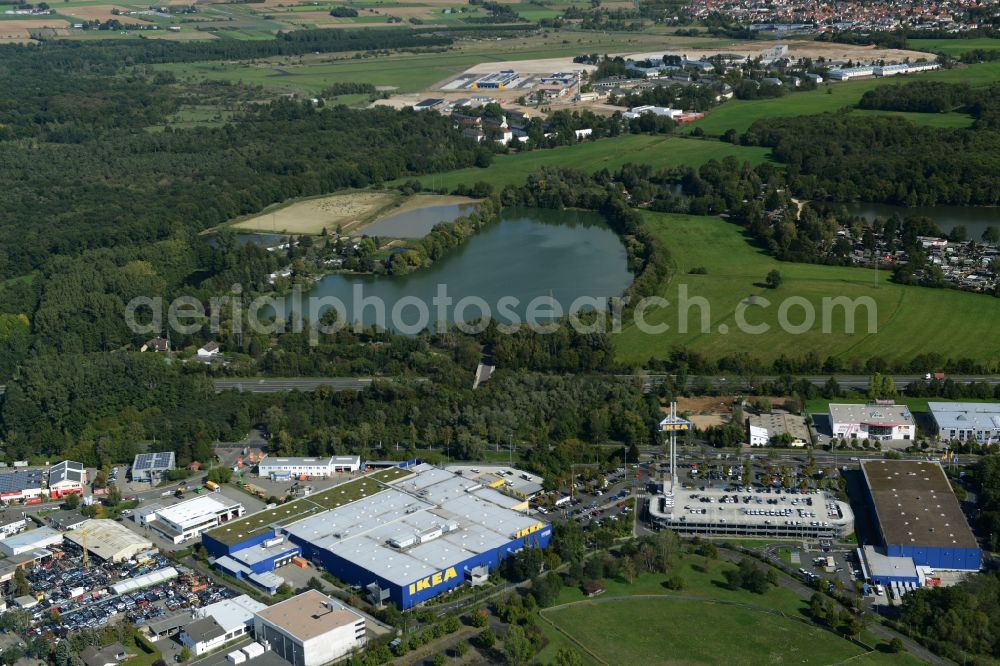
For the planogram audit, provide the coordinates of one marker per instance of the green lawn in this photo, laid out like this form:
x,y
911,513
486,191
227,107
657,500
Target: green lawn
x,y
671,631
657,151
953,46
908,320
947,120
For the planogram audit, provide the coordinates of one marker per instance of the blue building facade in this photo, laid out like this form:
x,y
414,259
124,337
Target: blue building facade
x,y
938,558
421,590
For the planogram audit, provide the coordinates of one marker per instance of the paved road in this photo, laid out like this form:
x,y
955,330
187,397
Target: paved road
x,y
276,385
860,382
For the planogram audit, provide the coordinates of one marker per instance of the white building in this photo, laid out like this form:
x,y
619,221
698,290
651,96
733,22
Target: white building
x,y
151,467
26,542
219,623
67,478
967,421
637,111
188,519
848,73
209,350
757,436
11,526
892,70
108,540
278,468
310,629
875,422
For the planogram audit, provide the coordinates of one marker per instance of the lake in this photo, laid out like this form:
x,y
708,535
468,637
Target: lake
x,y
975,219
528,253
418,222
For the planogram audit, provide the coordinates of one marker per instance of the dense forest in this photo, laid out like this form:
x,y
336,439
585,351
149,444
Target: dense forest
x,y
844,157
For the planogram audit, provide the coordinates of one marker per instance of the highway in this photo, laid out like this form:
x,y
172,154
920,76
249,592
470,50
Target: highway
x,y
732,383
277,385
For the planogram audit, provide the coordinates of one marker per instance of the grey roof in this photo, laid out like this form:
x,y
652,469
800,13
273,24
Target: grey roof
x,y
67,470
153,461
205,629
169,622
896,415
447,509
31,537
883,566
23,479
966,415
93,656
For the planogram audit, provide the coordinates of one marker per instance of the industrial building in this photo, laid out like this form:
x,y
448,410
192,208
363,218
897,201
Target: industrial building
x,y
67,478
151,467
875,422
918,515
310,629
108,540
757,436
967,421
495,81
406,535
187,520
664,111
26,542
752,513
848,73
777,424
280,469
23,484
217,624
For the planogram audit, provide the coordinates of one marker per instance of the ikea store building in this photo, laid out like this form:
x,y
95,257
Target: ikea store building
x,y
406,535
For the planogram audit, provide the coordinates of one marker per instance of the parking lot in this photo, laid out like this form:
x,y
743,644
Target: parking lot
x,y
83,597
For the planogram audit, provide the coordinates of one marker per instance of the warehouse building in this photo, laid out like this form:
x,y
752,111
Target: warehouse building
x,y
108,540
26,542
280,469
404,535
875,422
67,478
496,80
310,629
918,515
848,73
23,484
188,519
151,467
967,421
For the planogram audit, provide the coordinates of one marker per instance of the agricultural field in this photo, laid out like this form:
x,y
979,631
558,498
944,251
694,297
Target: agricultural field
x,y
908,320
656,151
954,47
313,215
409,72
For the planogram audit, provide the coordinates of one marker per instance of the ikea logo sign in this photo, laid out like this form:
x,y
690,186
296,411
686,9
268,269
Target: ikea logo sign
x,y
528,530
431,582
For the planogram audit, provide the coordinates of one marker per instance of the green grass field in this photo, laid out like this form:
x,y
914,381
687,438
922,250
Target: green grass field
x,y
909,320
947,120
953,46
408,72
705,623
672,631
656,151
740,114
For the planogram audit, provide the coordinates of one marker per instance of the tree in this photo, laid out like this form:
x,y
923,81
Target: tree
x,y
568,657
71,502
881,387
315,584
991,235
487,639
517,648
896,645
773,279
21,585
220,474
185,654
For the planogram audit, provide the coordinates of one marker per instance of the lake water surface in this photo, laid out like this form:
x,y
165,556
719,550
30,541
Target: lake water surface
x,y
418,222
528,253
975,219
